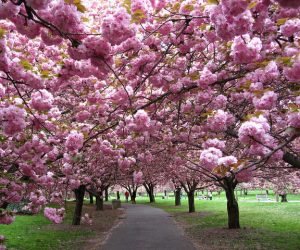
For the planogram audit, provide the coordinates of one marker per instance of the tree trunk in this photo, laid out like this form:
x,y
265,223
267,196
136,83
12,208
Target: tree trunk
x,y
283,198
132,197
177,197
191,199
91,198
151,195
106,194
79,194
99,202
150,192
118,195
232,208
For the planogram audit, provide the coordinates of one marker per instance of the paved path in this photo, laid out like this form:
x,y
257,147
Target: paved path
x,y
145,227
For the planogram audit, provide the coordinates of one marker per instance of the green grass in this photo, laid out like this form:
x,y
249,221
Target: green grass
x,y
266,225
35,232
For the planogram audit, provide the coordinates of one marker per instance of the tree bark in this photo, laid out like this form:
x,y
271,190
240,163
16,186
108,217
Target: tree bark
x,y
99,202
232,208
91,198
177,197
191,199
150,191
106,194
283,198
79,194
118,195
132,197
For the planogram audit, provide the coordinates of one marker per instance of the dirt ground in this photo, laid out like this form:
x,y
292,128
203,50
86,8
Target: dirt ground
x,y
96,234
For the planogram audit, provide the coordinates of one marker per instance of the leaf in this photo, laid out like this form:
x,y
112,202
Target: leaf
x,y
138,16
26,65
45,74
215,2
262,64
286,60
127,5
2,138
188,7
194,76
252,5
176,7
293,107
281,21
80,7
2,33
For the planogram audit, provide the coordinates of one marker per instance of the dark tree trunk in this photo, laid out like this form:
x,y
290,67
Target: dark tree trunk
x,y
99,202
267,191
91,198
232,208
245,192
151,195
150,191
191,199
177,197
106,194
79,194
132,197
118,195
283,198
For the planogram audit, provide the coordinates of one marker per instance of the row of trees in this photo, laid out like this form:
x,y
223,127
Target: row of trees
x,y
98,93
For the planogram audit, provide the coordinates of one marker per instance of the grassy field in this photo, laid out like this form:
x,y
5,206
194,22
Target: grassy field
x,y
265,225
37,233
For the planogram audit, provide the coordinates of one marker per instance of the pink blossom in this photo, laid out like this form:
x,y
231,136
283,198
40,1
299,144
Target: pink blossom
x,y
266,102
82,116
209,157
293,73
55,215
141,120
6,218
67,18
206,78
38,4
86,219
49,38
290,27
138,177
74,141
116,28
246,52
294,119
2,91
289,3
220,120
256,128
227,161
8,9
126,162
214,143
42,100
13,120
234,7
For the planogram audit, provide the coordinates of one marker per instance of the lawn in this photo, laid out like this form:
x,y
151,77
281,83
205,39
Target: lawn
x,y
37,233
265,225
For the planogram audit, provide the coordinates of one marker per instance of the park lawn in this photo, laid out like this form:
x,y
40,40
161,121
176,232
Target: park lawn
x,y
35,232
265,225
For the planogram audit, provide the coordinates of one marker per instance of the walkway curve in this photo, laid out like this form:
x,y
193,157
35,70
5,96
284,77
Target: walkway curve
x,y
146,227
